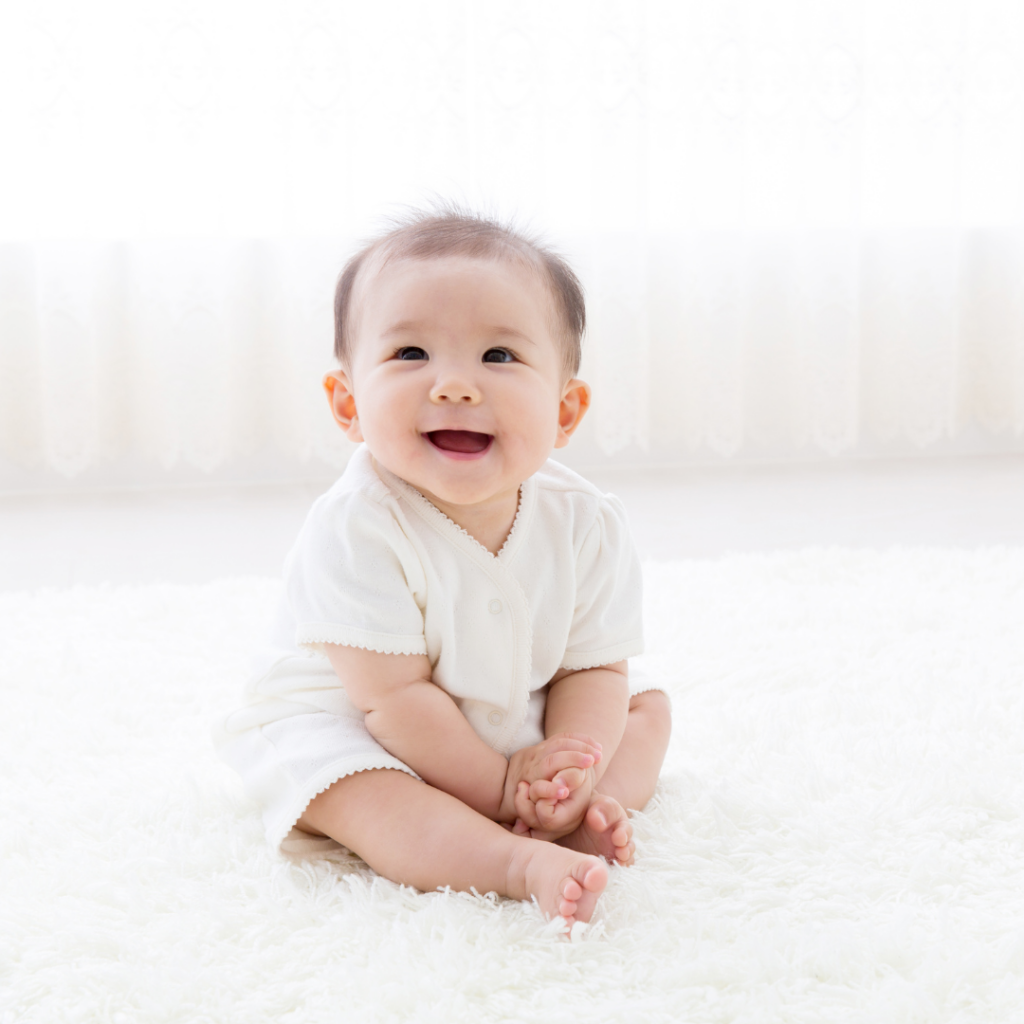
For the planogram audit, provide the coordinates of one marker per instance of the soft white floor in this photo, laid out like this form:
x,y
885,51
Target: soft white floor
x,y
836,835
200,534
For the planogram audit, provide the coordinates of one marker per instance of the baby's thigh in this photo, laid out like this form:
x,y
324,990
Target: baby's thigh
x,y
358,807
410,832
286,763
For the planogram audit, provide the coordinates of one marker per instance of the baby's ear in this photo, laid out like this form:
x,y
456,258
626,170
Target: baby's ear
x,y
571,410
343,403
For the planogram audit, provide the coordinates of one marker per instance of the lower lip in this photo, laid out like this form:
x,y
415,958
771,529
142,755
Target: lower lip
x,y
460,456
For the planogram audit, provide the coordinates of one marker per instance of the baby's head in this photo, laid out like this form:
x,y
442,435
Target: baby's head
x,y
459,341
451,232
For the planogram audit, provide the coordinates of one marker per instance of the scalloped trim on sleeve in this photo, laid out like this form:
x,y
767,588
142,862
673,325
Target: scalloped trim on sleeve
x,y
577,661
313,634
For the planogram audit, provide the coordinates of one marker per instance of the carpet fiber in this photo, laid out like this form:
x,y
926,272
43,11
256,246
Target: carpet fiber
x,y
837,835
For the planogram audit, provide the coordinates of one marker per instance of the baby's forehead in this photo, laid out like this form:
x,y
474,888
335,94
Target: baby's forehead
x,y
527,276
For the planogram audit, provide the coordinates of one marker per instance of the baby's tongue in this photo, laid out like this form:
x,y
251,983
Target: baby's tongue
x,y
460,440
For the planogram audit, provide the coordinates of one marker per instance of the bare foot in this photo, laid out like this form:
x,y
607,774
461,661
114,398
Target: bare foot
x,y
606,831
563,882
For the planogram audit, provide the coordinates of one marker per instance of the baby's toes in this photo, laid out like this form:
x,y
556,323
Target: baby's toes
x,y
571,892
622,840
622,833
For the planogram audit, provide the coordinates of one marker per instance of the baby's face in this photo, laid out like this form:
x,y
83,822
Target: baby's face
x,y
456,377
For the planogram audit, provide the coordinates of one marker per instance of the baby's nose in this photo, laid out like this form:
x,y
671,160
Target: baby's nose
x,y
455,389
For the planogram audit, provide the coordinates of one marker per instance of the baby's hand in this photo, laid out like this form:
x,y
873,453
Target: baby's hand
x,y
545,806
561,762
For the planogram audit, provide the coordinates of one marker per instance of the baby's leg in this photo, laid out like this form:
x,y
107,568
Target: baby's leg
x,y
628,781
633,770
417,835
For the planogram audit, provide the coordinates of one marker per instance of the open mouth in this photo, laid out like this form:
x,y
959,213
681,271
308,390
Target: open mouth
x,y
463,442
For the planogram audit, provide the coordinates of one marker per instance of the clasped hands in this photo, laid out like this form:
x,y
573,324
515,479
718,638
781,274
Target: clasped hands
x,y
548,786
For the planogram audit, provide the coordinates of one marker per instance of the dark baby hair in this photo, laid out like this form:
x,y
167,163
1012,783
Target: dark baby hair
x,y
449,230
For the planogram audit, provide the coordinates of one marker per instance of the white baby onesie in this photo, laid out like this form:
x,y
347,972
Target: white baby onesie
x,y
378,566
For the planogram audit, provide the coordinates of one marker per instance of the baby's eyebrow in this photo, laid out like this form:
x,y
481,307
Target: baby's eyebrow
x,y
496,332
509,332
403,327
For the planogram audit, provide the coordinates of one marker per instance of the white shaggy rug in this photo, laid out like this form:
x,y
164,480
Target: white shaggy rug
x,y
838,835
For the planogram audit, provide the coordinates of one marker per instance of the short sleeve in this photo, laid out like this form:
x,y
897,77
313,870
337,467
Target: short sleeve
x,y
353,578
607,624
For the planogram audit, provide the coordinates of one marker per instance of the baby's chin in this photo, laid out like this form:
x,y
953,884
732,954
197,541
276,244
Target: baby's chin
x,y
486,479
464,490
464,494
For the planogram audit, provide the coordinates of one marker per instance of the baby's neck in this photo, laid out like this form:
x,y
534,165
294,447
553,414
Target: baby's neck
x,y
488,524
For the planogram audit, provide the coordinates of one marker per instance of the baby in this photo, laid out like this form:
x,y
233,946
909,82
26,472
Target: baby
x,y
446,692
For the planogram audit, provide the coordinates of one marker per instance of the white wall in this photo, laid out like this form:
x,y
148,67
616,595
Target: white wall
x,y
800,225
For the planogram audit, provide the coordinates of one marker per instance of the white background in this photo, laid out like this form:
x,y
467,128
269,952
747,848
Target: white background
x,y
799,223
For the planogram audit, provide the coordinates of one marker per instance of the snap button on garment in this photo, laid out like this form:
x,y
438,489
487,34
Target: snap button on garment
x,y
495,717
494,607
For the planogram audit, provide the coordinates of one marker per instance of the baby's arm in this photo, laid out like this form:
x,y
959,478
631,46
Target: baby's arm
x,y
420,724
592,702
595,702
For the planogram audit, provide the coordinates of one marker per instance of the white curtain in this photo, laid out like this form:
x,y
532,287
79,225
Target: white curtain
x,y
799,223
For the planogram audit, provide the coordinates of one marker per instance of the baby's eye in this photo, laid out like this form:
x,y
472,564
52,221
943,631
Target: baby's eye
x,y
498,355
410,352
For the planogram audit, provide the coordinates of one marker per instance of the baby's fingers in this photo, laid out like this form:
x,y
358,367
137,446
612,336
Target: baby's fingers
x,y
577,741
560,786
547,813
525,807
542,789
561,761
571,778
558,815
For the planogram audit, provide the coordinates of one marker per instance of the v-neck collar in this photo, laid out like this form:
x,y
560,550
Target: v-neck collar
x,y
447,526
